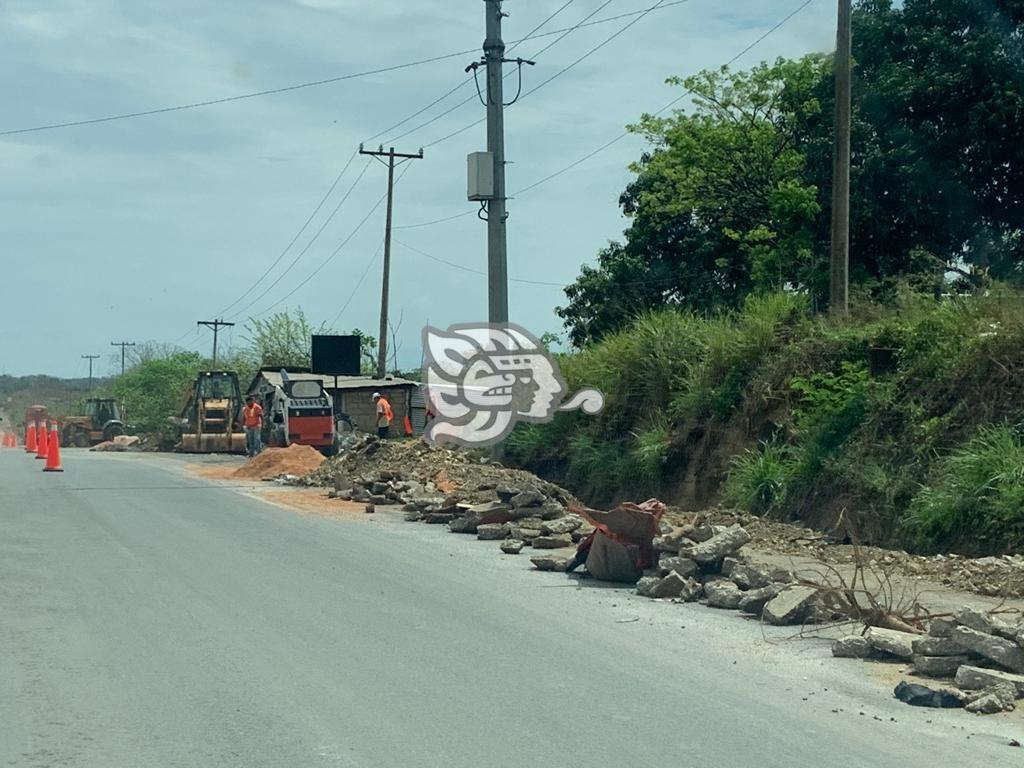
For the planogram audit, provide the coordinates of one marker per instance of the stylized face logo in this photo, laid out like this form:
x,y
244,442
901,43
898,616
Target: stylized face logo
x,y
482,379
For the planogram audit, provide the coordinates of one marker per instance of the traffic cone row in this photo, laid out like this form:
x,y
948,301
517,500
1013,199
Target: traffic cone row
x,y
44,441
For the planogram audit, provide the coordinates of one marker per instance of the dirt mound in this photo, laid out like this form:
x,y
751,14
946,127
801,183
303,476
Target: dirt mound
x,y
298,460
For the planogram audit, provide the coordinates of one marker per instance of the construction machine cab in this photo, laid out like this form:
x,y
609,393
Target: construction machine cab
x,y
101,422
212,417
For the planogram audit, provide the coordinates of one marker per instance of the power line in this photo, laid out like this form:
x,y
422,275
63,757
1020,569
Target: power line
x,y
308,245
239,97
621,136
261,278
355,290
464,268
562,35
337,250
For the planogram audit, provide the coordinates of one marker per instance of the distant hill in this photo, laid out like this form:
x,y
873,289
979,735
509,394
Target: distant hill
x,y
61,396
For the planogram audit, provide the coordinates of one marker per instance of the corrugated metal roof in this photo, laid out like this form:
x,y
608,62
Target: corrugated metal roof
x,y
344,382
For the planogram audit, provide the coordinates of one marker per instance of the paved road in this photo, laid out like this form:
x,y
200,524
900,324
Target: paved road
x,y
148,618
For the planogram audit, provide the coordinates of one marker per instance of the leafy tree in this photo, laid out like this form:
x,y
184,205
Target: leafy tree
x,y
720,207
284,339
155,390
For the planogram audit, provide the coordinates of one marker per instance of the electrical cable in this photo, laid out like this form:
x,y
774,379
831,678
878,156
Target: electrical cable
x,y
308,245
475,271
261,278
358,284
228,99
337,250
624,135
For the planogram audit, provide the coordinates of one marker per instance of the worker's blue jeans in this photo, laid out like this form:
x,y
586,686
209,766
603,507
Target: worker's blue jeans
x,y
253,441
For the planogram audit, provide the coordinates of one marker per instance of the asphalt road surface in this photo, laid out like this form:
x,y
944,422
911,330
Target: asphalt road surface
x,y
150,618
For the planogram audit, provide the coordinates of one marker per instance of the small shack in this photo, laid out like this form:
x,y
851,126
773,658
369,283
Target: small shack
x,y
353,395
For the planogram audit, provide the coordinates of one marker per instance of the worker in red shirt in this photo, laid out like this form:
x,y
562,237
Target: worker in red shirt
x,y
252,420
385,414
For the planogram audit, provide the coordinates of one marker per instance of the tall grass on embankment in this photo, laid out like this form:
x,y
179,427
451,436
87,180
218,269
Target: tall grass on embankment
x,y
902,419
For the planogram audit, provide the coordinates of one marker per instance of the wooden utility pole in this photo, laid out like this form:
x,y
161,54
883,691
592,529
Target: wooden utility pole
x,y
123,345
382,339
90,358
839,273
215,326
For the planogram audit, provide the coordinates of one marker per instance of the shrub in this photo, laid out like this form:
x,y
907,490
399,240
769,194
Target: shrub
x,y
977,498
758,481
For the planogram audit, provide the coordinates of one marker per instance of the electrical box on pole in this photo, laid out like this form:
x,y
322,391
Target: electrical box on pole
x,y
481,176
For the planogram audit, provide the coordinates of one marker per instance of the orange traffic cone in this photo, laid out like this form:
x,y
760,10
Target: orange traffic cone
x,y
42,442
30,439
53,455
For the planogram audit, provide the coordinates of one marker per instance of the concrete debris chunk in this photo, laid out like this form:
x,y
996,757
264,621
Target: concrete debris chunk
x,y
922,696
976,620
997,649
512,546
681,565
781,576
938,666
552,542
491,532
723,594
528,497
728,564
938,646
747,576
668,586
646,584
439,518
755,600
664,544
549,511
851,647
550,562
566,524
693,590
722,545
892,642
789,606
976,678
941,627
997,698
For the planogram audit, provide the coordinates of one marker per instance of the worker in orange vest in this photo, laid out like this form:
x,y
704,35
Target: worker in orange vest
x,y
385,414
252,419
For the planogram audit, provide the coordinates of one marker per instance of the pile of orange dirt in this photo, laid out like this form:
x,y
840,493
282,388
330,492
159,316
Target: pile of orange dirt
x,y
298,460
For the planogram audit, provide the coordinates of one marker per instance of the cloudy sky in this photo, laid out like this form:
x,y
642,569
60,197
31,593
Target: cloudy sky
x,y
135,229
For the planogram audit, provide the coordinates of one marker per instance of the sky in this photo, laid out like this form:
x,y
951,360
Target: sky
x,y
135,229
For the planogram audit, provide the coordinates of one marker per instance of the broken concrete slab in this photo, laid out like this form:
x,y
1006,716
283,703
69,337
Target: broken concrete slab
x,y
723,594
922,696
491,532
527,497
941,627
748,576
851,647
646,584
997,698
996,649
976,620
938,666
681,565
938,646
668,586
550,562
789,606
566,524
976,678
512,546
724,544
892,642
755,600
552,542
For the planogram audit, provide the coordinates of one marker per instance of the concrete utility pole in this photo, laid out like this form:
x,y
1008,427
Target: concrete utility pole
x,y
497,213
123,345
90,358
839,277
215,325
382,340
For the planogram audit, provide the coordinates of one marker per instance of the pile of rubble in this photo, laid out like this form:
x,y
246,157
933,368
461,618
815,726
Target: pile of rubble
x,y
431,480
981,655
1001,576
120,444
